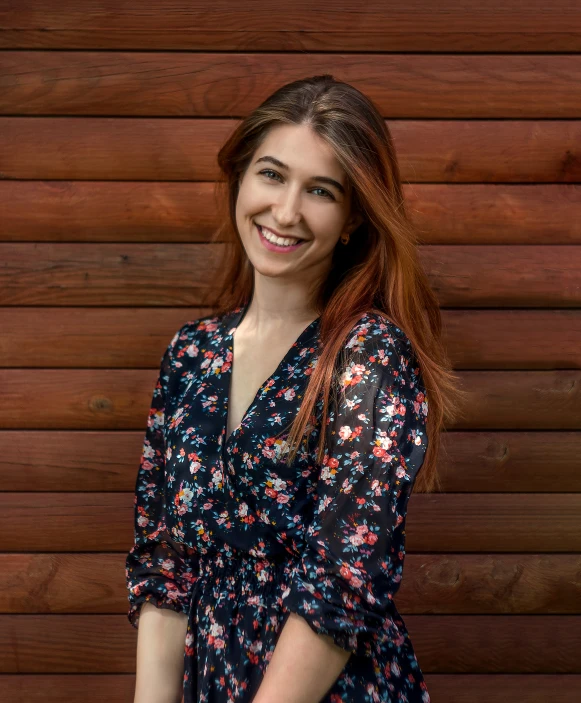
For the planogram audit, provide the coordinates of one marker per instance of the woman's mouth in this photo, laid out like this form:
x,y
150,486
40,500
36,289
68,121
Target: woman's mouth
x,y
274,243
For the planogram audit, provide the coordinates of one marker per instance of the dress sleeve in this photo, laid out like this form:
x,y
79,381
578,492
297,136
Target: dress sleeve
x,y
158,569
376,440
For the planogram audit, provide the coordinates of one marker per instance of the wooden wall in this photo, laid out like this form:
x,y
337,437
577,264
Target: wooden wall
x,y
111,114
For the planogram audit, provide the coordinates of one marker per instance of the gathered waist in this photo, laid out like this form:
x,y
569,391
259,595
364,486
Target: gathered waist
x,y
243,573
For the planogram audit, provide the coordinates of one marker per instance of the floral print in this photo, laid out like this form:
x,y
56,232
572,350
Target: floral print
x,y
228,534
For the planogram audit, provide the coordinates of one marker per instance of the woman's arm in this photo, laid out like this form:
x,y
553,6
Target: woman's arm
x,y
304,666
160,655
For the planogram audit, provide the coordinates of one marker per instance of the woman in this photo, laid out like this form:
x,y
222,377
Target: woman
x,y
270,514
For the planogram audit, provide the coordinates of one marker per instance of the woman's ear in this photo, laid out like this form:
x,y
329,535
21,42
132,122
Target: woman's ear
x,y
353,222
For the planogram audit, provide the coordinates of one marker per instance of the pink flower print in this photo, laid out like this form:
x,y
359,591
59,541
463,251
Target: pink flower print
x,y
289,394
345,432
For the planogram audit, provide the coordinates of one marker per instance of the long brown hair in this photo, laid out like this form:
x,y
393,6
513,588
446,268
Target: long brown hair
x,y
377,271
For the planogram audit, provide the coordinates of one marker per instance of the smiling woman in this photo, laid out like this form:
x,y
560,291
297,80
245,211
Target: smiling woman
x,y
288,428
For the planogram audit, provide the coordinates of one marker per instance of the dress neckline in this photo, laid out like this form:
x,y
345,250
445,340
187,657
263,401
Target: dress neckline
x,y
232,323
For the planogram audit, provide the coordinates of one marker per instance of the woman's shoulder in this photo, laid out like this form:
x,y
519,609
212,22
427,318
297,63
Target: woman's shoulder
x,y
194,334
375,331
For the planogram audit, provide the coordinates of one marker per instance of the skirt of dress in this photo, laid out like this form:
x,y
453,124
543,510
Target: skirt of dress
x,y
236,616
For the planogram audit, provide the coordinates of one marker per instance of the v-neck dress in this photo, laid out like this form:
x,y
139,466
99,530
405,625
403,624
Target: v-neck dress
x,y
228,534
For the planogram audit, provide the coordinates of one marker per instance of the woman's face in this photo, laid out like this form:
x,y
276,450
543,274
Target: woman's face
x,y
294,186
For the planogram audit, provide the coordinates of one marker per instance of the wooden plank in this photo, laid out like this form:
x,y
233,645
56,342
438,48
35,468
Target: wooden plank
x,y
201,84
468,26
137,337
161,275
471,584
434,151
480,644
470,461
116,399
468,522
76,211
443,688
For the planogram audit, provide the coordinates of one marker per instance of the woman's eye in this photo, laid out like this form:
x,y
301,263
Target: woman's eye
x,y
268,170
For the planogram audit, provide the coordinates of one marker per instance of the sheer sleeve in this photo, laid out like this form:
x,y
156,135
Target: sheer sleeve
x,y
375,445
158,569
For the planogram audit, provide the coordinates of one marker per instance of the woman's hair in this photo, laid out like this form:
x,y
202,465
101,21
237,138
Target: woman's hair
x,y
378,270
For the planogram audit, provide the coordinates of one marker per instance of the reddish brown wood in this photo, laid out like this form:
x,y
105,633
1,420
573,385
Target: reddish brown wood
x,y
116,399
443,688
444,643
136,337
178,212
186,24
437,151
469,522
469,462
94,275
433,584
200,84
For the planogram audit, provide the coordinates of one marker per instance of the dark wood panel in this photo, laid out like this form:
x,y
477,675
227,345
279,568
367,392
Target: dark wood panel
x,y
136,337
443,688
482,462
435,151
432,584
469,522
177,212
444,643
503,276
510,339
468,26
116,399
160,275
218,85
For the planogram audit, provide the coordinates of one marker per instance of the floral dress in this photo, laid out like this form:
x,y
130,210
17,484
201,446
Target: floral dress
x,y
228,534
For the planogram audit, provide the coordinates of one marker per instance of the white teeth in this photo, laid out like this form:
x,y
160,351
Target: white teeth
x,y
281,241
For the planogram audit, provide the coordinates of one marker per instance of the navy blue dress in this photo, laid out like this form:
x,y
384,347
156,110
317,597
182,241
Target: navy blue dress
x,y
228,534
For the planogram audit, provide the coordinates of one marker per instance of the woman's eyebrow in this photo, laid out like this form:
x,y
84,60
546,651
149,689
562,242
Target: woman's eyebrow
x,y
320,179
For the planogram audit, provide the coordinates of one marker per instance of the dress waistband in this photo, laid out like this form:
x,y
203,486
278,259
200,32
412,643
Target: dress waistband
x,y
231,572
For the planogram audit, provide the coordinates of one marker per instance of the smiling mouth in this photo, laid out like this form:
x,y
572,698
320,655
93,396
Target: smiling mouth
x,y
266,230
270,241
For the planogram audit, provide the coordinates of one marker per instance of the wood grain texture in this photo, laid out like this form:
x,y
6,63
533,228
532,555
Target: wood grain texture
x,y
467,26
119,399
93,275
111,211
136,337
478,644
431,151
439,584
446,522
471,461
444,688
198,84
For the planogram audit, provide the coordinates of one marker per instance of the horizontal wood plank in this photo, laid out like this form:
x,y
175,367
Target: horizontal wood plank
x,y
443,688
137,337
468,522
107,211
433,151
115,399
94,275
469,462
432,584
540,644
201,84
469,26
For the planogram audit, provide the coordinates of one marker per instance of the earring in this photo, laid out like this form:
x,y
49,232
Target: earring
x,y
345,238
